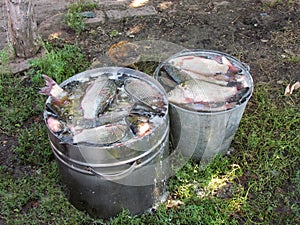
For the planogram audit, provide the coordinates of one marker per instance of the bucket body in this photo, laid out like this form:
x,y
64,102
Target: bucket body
x,y
104,180
201,135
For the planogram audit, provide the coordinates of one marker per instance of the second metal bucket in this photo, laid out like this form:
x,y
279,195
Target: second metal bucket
x,y
202,135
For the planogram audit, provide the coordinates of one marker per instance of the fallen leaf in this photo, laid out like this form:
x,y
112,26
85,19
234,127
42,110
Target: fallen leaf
x,y
165,5
171,204
289,89
138,3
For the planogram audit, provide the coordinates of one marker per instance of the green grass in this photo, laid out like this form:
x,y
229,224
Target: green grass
x,y
73,17
259,183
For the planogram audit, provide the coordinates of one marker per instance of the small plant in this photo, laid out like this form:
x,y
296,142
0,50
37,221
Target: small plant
x,y
114,33
5,57
59,63
74,19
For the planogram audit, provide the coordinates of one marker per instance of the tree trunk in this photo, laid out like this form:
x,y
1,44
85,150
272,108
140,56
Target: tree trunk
x,y
22,27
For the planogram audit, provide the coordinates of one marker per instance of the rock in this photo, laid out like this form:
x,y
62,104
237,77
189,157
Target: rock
x,y
97,20
132,12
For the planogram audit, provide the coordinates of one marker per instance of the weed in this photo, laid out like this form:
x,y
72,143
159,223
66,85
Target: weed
x,y
114,33
59,63
74,19
18,102
5,58
33,147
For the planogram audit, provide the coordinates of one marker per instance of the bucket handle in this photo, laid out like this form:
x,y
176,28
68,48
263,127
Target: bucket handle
x,y
115,175
124,173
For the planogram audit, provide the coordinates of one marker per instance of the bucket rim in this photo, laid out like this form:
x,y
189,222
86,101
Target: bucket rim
x,y
111,164
187,52
90,73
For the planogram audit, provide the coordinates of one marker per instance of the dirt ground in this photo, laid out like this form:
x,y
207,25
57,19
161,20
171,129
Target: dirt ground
x,y
260,33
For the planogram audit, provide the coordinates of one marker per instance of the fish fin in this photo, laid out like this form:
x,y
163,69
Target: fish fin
x,y
231,67
51,88
188,100
49,84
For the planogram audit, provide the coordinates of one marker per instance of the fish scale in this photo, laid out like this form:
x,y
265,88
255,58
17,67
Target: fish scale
x,y
142,91
194,91
102,135
98,96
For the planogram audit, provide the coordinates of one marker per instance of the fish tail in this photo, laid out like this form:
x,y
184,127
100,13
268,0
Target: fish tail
x,y
49,84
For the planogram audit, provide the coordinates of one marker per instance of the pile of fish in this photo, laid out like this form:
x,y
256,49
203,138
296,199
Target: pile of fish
x,y
103,110
204,83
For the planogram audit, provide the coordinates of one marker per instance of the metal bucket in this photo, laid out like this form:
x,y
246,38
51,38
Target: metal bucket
x,y
104,180
203,135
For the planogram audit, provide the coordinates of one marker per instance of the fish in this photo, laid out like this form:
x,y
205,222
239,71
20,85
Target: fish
x,y
198,91
144,92
199,65
181,75
139,125
108,118
231,67
59,96
102,135
98,97
55,125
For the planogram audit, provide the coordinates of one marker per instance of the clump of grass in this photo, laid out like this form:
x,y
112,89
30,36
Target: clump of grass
x,y
74,19
60,63
19,101
5,57
33,146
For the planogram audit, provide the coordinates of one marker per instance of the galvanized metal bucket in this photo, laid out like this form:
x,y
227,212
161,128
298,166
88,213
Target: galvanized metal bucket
x,y
202,135
104,180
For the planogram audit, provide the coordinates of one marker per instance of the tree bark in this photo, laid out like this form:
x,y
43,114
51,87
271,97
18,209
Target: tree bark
x,y
22,27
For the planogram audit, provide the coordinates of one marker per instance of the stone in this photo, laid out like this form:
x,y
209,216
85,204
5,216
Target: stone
x,y
131,12
94,22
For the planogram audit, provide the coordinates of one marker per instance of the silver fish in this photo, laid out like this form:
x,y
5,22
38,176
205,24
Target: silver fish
x,y
181,75
108,118
199,65
198,91
59,96
102,135
144,92
56,125
98,96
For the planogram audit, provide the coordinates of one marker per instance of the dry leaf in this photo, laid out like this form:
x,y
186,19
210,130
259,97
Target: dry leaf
x,y
135,29
138,3
289,89
165,5
171,204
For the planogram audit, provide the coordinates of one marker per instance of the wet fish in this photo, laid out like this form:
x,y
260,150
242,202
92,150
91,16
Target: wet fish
x,y
109,118
198,91
139,125
98,96
56,125
102,135
144,92
181,75
59,96
199,65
